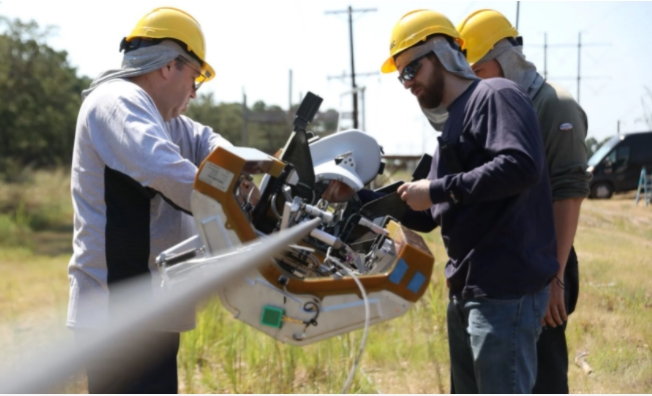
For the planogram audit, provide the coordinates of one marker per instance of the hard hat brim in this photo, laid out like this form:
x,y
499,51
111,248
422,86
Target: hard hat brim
x,y
389,65
208,69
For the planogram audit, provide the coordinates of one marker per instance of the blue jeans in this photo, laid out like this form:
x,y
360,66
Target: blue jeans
x,y
492,342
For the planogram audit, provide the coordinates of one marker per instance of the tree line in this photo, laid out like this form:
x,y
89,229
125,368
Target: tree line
x,y
40,96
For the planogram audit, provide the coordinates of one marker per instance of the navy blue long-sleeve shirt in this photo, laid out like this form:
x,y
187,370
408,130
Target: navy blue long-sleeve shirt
x,y
495,212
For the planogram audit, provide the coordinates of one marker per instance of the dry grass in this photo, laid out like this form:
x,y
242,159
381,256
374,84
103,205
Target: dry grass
x,y
33,303
613,321
33,285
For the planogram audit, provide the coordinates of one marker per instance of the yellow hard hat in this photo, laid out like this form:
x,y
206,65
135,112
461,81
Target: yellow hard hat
x,y
414,27
481,30
172,23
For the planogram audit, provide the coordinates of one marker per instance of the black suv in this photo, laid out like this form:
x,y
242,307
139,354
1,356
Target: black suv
x,y
616,166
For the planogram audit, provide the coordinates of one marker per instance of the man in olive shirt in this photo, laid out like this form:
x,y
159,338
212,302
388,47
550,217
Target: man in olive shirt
x,y
494,49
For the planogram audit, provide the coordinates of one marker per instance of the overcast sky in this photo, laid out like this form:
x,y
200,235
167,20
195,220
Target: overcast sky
x,y
253,44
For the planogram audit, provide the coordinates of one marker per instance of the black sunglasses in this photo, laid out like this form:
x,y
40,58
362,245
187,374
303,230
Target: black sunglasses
x,y
410,71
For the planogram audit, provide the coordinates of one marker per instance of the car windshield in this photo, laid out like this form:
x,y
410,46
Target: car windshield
x,y
603,151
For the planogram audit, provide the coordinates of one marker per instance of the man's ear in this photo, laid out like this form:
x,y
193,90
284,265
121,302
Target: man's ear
x,y
166,71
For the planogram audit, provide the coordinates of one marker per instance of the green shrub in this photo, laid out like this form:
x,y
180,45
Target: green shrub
x,y
13,232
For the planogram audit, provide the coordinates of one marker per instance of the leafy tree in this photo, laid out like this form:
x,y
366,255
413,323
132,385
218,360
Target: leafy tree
x,y
39,98
267,127
225,118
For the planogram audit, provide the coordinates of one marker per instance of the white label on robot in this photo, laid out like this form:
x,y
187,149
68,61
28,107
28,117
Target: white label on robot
x,y
216,176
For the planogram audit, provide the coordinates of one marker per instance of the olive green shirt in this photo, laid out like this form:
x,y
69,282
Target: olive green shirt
x,y
563,126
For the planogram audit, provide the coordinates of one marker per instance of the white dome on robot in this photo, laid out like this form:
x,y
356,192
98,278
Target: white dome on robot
x,y
350,156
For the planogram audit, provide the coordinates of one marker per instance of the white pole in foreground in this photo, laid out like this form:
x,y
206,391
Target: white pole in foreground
x,y
138,313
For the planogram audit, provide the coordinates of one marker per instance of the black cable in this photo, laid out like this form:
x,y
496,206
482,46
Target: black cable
x,y
313,321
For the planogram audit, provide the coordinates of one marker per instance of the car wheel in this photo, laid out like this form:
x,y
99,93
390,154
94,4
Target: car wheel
x,y
602,190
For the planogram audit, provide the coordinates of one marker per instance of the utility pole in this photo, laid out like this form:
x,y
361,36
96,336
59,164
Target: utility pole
x,y
364,121
354,91
290,92
545,56
362,91
647,116
350,11
579,59
518,9
244,119
353,86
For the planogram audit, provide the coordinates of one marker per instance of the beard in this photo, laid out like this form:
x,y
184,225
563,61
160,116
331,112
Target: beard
x,y
432,92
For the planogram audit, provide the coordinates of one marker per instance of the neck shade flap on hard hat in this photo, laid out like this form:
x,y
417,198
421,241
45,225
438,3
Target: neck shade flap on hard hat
x,y
509,54
141,61
452,59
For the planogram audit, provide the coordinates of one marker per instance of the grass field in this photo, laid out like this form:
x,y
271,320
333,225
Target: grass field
x,y
613,321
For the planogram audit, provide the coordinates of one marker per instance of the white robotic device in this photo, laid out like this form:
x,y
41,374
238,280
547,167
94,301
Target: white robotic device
x,y
359,256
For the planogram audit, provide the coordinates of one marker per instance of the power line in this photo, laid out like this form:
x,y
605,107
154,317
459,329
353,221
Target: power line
x,y
344,75
350,11
579,46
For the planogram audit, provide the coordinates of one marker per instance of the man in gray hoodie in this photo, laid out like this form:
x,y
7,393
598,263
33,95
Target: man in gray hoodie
x,y
133,169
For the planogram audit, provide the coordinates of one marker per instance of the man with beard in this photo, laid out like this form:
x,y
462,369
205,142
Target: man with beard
x,y
489,191
494,49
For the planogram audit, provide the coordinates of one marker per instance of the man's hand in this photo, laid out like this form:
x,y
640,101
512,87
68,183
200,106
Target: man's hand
x,y
338,192
556,311
416,194
567,213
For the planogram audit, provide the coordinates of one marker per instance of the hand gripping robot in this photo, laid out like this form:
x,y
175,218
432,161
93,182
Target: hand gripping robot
x,y
360,266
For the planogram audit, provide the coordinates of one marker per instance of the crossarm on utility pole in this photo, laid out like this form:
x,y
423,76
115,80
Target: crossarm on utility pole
x,y
350,11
